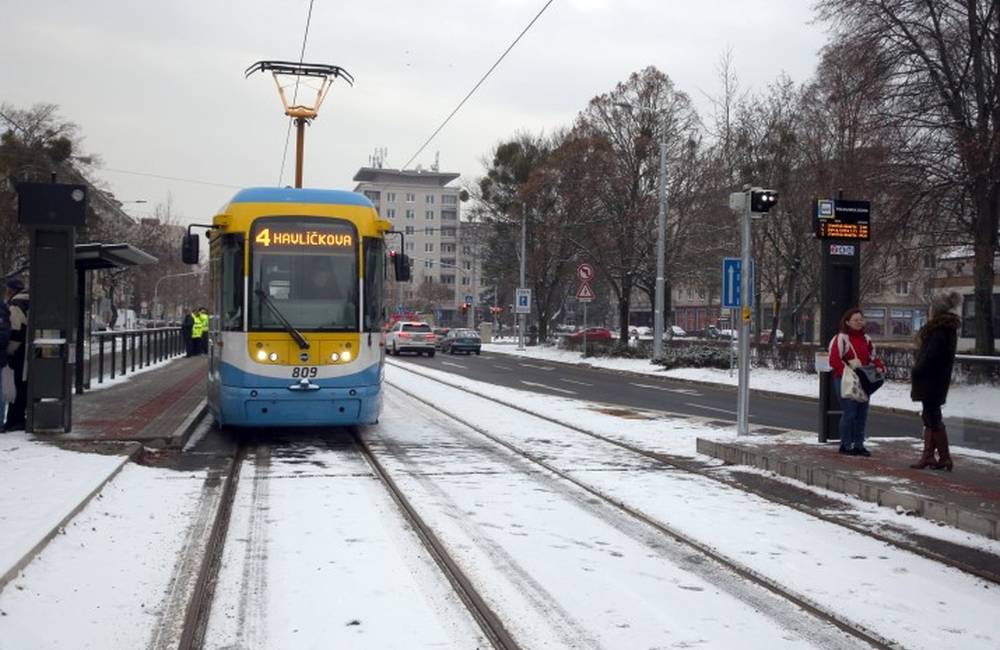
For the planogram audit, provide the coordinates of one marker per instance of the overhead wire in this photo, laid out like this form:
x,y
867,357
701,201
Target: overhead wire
x,y
478,84
295,94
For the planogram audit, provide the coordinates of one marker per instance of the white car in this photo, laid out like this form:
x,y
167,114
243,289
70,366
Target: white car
x,y
410,336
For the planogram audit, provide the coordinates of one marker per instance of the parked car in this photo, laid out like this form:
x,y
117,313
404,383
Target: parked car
x,y
461,340
439,334
677,330
410,336
592,333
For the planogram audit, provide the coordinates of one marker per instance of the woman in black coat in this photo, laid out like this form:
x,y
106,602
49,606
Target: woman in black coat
x,y
937,341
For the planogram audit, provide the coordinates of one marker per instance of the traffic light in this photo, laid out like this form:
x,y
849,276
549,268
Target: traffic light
x,y
400,265
762,200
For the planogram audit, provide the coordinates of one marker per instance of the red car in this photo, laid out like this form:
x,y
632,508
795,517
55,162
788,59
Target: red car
x,y
593,334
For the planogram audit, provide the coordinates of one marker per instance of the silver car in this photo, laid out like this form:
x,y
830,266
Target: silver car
x,y
410,336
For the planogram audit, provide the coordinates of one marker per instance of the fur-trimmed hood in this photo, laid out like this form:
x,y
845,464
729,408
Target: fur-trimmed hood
x,y
946,320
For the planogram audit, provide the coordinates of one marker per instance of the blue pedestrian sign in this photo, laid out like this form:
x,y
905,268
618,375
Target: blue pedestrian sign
x,y
522,303
468,299
732,283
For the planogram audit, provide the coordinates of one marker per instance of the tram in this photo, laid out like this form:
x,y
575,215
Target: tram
x,y
295,332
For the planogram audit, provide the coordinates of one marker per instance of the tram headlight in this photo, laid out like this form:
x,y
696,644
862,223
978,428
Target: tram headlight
x,y
345,356
261,355
334,357
273,356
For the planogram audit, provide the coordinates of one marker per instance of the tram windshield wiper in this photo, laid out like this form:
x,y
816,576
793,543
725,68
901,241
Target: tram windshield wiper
x,y
295,334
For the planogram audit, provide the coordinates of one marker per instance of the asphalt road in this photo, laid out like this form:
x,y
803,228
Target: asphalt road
x,y
768,413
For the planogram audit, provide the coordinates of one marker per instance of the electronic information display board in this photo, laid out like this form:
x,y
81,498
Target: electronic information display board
x,y
840,219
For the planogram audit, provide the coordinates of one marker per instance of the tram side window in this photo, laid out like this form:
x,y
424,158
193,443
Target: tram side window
x,y
374,283
232,283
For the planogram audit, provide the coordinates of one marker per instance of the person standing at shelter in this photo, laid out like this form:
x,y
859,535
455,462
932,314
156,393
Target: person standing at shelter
x,y
851,348
17,301
937,342
201,329
187,333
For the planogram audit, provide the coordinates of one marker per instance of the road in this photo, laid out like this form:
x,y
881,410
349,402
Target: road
x,y
768,413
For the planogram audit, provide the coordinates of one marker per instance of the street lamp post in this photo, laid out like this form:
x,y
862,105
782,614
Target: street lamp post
x,y
156,287
661,236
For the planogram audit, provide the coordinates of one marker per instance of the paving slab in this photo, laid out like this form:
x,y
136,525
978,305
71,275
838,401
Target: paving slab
x,y
967,498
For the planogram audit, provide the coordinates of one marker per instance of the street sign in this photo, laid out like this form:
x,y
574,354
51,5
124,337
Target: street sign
x,y
732,283
840,219
468,299
585,273
522,303
585,293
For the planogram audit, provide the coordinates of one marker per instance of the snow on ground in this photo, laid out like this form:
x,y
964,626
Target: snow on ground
x,y
318,556
102,583
891,591
40,486
976,402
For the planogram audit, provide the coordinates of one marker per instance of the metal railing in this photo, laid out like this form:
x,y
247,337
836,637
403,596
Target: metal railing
x,y
118,352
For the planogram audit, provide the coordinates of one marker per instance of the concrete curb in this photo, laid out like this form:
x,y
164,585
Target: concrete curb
x,y
183,432
134,451
972,521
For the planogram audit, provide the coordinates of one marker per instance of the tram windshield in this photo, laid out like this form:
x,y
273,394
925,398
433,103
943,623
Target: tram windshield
x,y
309,274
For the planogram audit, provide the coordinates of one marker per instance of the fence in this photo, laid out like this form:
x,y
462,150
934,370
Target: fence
x,y
799,357
118,352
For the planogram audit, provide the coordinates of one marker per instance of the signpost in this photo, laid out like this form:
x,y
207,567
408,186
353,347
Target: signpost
x,y
732,276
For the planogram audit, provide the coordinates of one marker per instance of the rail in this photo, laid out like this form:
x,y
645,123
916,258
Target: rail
x,y
118,352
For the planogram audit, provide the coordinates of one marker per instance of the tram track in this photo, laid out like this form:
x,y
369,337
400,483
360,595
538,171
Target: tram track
x,y
860,632
983,572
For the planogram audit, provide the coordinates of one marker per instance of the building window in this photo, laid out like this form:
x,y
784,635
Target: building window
x,y
390,197
874,321
391,213
410,214
449,199
900,322
465,281
410,197
428,248
449,215
373,195
447,279
409,246
902,287
429,230
428,264
930,261
447,248
467,265
409,230
430,199
466,250
969,315
429,215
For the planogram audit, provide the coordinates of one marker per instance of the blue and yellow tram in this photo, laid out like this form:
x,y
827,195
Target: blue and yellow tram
x,y
295,336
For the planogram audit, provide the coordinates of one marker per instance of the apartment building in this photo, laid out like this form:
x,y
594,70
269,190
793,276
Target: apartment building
x,y
421,204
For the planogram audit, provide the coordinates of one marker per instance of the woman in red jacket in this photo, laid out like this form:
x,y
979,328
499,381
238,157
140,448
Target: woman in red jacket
x,y
851,346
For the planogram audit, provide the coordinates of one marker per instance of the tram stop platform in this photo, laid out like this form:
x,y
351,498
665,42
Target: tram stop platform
x,y
967,498
157,407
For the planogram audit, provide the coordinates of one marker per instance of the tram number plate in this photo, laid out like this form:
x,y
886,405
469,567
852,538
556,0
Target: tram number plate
x,y
305,372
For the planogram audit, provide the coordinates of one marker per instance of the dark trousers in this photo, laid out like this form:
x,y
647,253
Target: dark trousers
x,y
931,415
188,346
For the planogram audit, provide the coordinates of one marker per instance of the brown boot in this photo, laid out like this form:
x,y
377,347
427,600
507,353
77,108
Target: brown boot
x,y
927,458
940,435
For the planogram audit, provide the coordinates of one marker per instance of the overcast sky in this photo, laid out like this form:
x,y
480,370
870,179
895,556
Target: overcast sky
x,y
158,88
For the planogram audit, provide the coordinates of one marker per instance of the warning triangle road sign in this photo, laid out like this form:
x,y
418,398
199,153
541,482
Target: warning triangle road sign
x,y
585,292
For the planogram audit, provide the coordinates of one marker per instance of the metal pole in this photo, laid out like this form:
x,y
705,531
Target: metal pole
x,y
661,227
522,317
300,145
584,329
743,403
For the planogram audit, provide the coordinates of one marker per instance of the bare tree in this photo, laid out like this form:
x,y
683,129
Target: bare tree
x,y
944,84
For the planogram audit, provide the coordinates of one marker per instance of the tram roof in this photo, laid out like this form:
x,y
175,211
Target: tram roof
x,y
300,195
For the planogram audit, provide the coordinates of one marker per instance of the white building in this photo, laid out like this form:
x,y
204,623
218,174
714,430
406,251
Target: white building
x,y
420,204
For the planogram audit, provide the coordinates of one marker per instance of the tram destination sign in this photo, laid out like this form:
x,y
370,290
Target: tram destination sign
x,y
840,219
302,236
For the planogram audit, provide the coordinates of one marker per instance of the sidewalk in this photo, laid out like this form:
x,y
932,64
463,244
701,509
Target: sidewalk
x,y
967,498
159,407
